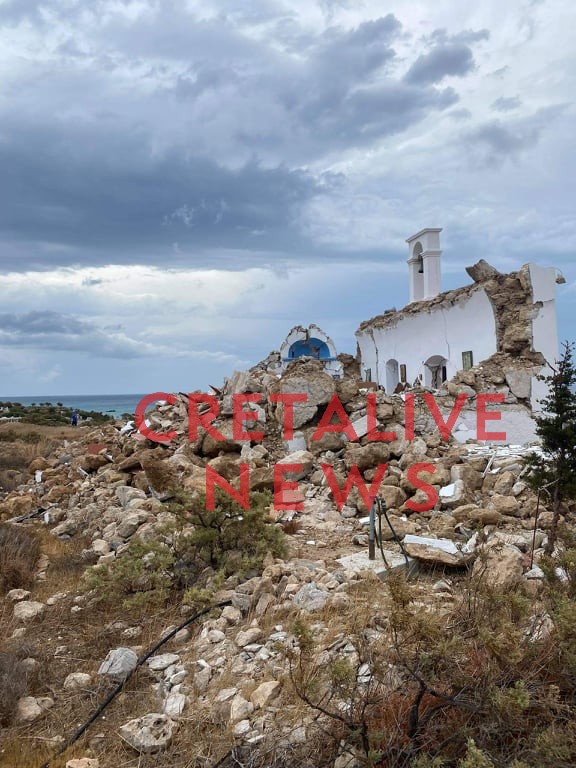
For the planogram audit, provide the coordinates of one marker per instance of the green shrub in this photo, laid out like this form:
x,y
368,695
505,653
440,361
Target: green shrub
x,y
197,547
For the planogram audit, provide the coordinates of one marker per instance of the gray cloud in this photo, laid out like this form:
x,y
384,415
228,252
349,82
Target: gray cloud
x,y
60,188
169,137
53,331
455,59
499,140
506,104
49,331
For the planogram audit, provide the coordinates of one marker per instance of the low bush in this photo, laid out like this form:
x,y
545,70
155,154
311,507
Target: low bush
x,y
198,549
482,683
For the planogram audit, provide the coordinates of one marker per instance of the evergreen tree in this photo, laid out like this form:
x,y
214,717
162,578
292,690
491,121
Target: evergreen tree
x,y
555,468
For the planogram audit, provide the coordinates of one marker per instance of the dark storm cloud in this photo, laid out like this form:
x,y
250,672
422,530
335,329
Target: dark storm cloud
x,y
163,136
63,333
101,192
506,104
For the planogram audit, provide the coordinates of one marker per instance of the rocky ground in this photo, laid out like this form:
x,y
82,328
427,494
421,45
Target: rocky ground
x,y
223,688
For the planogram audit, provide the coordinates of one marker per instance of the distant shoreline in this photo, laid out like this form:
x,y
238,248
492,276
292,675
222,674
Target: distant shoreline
x,y
114,406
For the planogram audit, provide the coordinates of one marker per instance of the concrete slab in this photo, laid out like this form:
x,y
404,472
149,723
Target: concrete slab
x,y
359,562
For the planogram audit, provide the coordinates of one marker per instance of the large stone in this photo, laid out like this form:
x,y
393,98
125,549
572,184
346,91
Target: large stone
x,y
437,551
28,610
310,598
506,505
304,458
366,456
520,383
265,693
227,466
148,734
393,497
471,478
240,709
118,664
316,385
504,483
130,524
262,479
126,494
471,513
501,565
360,562
212,447
453,495
330,441
27,710
17,595
482,271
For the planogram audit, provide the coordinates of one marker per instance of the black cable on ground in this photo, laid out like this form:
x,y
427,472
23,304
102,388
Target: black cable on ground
x,y
112,695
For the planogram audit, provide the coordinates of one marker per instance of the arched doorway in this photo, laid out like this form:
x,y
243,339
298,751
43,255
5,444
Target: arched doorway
x,y
310,347
392,376
435,373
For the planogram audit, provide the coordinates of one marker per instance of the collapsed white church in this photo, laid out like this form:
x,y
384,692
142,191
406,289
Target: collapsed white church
x,y
507,322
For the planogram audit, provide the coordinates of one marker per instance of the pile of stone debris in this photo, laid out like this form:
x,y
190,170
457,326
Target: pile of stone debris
x,y
112,486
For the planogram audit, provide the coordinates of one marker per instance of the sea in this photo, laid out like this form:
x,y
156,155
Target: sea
x,y
112,405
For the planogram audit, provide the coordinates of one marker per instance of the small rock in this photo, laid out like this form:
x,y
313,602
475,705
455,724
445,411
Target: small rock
x,y
242,728
27,710
118,664
28,610
248,637
231,614
310,598
56,598
163,661
76,681
175,705
240,709
148,734
16,595
83,762
265,693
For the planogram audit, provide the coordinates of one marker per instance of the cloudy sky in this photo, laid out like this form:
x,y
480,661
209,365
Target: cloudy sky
x,y
181,182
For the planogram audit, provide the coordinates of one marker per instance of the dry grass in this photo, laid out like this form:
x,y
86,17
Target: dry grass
x,y
21,443
13,685
19,552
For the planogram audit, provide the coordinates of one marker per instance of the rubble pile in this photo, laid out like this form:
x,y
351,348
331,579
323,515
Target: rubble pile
x,y
113,487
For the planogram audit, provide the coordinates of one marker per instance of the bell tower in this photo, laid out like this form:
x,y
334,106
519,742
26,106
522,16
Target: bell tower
x,y
424,264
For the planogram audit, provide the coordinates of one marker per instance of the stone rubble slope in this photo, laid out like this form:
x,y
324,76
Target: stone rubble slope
x,y
112,486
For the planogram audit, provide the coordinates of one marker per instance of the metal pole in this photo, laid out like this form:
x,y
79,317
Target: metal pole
x,y
372,533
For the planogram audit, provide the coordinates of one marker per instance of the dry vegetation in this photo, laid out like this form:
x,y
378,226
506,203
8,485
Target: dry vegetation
x,y
21,443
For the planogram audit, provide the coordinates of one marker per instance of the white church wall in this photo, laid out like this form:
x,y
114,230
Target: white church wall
x,y
446,332
515,421
544,324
